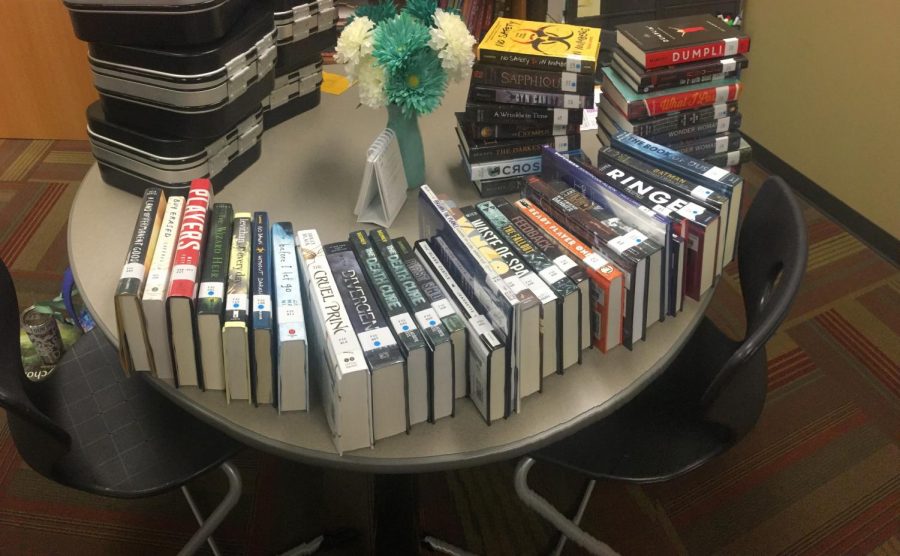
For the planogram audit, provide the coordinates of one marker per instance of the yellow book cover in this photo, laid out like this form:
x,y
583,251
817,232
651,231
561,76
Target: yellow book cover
x,y
541,45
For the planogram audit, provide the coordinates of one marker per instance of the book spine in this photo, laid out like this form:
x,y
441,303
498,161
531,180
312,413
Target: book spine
x,y
158,277
709,145
505,150
403,324
703,173
143,241
525,97
286,274
662,104
522,115
369,323
501,186
261,300
189,247
697,131
534,80
211,294
503,168
602,274
429,287
237,301
517,131
679,76
534,61
684,55
730,158
676,120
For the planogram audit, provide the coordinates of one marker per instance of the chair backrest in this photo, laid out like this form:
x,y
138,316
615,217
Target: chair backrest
x,y
39,440
772,250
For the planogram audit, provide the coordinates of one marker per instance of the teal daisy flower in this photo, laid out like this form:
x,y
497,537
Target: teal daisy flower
x,y
397,40
382,10
419,86
423,10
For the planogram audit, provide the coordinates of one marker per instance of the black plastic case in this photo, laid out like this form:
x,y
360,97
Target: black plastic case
x,y
303,31
168,23
193,92
133,161
294,94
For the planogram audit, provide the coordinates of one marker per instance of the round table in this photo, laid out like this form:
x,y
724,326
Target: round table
x,y
309,173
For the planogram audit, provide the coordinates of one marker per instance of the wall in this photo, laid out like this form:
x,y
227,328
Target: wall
x,y
44,71
822,93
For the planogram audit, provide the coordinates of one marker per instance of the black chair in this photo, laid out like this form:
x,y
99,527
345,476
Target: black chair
x,y
90,427
710,396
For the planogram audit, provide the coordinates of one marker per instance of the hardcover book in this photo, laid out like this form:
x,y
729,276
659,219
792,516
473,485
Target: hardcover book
x,y
180,299
531,380
708,145
608,287
488,150
482,131
669,122
483,284
292,353
651,232
596,227
565,263
680,40
509,168
154,300
522,115
441,391
644,81
485,353
568,307
262,363
731,158
386,363
697,171
345,381
538,45
452,321
533,80
610,118
211,296
134,347
412,343
644,105
235,333
527,97
499,186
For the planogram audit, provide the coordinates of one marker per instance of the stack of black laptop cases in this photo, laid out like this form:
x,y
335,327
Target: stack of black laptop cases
x,y
183,85
303,29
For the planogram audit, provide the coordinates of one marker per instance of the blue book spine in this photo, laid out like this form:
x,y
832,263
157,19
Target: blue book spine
x,y
261,292
288,301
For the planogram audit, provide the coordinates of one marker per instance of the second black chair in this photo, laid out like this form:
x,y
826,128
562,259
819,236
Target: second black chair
x,y
92,428
710,396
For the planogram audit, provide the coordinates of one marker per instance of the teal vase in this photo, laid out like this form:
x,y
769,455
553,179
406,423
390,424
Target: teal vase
x,y
406,128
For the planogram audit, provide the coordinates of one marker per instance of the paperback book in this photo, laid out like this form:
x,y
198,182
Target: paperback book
x,y
680,40
235,331
211,296
537,45
292,351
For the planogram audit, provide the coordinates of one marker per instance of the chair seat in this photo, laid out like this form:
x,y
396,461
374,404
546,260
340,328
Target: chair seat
x,y
662,432
127,440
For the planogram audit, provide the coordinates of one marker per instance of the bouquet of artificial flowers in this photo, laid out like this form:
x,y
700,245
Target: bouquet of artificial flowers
x,y
405,58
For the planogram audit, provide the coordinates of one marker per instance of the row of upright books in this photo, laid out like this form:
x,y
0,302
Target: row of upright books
x,y
526,91
186,91
676,82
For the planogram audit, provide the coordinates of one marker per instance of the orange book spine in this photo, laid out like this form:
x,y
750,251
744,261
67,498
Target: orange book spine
x,y
604,277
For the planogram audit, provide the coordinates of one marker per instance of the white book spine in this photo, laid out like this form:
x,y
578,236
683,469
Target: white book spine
x,y
156,287
289,317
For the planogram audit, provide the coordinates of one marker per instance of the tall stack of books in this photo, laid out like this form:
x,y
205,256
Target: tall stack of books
x,y
676,82
529,88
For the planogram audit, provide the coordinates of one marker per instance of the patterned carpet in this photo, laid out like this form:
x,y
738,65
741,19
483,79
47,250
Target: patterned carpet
x,y
820,474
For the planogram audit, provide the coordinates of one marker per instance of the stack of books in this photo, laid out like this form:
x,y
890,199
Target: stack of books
x,y
676,82
529,88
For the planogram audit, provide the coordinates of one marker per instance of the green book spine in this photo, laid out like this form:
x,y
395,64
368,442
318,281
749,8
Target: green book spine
x,y
429,287
211,294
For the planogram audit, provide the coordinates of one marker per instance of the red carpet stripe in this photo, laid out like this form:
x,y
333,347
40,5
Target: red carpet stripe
x,y
878,364
31,223
870,529
810,435
788,367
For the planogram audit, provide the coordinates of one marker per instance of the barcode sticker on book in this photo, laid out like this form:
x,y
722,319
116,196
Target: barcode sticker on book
x,y
722,93
663,210
721,144
403,323
289,314
701,193
427,318
720,110
571,101
728,64
560,116
375,339
184,272
733,158
715,173
722,124
481,324
211,289
569,82
731,46
573,63
236,302
564,262
262,303
443,308
132,270
561,143
690,211
594,261
627,241
552,274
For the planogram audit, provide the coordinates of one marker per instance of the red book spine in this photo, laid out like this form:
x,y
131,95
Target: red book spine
x,y
693,99
189,247
718,49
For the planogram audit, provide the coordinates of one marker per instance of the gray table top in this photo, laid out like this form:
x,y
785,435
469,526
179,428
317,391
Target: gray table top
x,y
309,173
